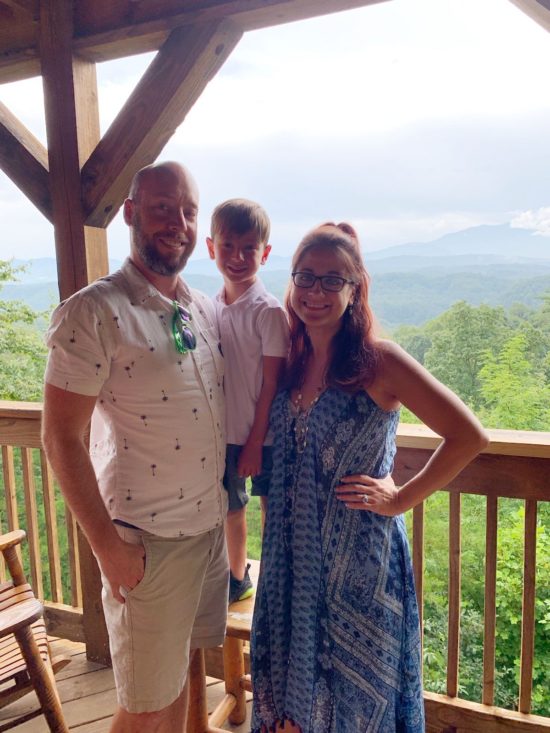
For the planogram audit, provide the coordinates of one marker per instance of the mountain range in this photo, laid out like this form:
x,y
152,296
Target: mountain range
x,y
410,283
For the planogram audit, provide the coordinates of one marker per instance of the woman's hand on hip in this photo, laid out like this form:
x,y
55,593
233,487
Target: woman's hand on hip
x,y
378,495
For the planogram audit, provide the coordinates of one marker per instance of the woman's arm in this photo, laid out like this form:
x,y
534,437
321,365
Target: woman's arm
x,y
401,379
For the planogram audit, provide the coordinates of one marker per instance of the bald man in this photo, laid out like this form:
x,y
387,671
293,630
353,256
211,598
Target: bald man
x,y
137,354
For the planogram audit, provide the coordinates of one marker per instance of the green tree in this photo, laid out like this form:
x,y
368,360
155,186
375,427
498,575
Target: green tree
x,y
460,338
515,391
22,348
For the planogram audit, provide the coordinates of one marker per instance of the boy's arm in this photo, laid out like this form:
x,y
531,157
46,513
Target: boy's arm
x,y
250,460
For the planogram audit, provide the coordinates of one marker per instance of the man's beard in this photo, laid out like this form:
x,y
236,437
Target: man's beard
x,y
153,259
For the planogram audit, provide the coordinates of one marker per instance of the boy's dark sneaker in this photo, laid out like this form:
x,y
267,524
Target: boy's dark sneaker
x,y
240,589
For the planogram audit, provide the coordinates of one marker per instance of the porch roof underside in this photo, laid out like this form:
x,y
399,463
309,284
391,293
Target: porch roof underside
x,y
109,29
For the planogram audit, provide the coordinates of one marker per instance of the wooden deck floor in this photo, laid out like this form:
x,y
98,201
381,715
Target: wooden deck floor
x,y
88,696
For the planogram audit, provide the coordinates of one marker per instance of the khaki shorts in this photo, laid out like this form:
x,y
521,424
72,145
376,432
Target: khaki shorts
x,y
180,604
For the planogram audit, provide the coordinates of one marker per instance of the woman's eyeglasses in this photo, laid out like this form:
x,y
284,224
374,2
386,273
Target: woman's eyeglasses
x,y
184,338
329,283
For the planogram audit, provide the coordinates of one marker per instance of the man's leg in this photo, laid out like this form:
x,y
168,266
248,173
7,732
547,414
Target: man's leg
x,y
150,633
169,720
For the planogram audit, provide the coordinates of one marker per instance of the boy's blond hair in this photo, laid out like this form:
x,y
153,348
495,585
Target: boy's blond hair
x,y
240,216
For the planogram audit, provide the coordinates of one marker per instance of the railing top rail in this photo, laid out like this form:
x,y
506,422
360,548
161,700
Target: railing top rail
x,y
26,410
524,443
503,442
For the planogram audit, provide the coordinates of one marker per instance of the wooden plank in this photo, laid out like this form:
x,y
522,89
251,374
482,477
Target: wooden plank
x,y
106,32
10,488
490,613
95,630
50,515
538,10
70,97
24,159
31,512
502,442
443,712
418,561
507,476
30,7
64,621
453,642
528,607
74,558
128,27
171,85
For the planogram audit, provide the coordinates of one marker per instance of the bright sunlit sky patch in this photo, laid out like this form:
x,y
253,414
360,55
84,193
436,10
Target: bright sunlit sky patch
x,y
410,118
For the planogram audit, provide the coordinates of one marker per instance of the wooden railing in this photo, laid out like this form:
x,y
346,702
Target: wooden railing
x,y
516,465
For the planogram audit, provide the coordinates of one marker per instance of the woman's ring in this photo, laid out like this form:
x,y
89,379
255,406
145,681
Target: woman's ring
x,y
365,499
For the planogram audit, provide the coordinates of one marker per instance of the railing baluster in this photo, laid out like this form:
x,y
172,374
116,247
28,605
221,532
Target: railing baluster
x,y
8,473
453,649
51,530
489,633
74,559
10,487
32,522
418,561
528,606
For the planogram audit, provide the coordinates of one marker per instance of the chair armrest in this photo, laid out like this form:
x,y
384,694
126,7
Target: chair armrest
x,y
21,614
11,538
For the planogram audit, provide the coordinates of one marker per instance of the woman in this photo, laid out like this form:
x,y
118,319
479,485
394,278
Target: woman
x,y
335,638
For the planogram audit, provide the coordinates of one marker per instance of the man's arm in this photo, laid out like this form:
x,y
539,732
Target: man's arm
x,y
250,460
65,421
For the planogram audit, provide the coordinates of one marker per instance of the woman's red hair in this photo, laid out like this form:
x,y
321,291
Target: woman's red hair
x,y
354,355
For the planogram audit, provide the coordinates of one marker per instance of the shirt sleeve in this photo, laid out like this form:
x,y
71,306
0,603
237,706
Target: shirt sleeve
x,y
274,331
79,358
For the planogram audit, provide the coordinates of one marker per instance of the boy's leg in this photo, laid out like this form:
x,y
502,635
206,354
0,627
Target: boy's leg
x,y
235,533
235,526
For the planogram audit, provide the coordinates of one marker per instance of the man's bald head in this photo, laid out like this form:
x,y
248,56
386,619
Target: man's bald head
x,y
161,211
167,170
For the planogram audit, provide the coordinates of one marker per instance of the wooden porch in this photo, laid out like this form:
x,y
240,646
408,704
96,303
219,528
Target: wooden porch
x,y
516,466
88,696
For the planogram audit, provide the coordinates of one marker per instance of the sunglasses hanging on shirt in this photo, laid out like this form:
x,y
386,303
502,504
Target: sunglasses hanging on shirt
x,y
184,338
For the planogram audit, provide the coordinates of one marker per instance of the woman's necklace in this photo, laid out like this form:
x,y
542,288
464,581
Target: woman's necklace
x,y
301,416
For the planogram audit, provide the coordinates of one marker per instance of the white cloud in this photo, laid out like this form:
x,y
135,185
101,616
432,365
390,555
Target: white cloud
x,y
538,221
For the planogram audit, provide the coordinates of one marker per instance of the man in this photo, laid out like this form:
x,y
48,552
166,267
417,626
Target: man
x,y
137,353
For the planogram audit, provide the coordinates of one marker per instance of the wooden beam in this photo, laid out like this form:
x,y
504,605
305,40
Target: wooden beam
x,y
105,31
444,712
539,10
24,159
72,124
171,85
28,6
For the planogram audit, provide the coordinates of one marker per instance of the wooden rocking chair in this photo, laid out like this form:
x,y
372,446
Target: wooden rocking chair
x,y
25,662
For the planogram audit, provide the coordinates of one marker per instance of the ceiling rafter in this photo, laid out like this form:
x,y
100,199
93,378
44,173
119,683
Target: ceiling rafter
x,y
158,105
108,30
25,160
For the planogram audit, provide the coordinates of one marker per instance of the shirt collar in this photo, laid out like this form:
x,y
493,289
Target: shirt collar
x,y
256,289
141,289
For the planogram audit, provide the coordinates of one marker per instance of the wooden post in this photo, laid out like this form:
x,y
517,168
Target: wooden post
x,y
72,125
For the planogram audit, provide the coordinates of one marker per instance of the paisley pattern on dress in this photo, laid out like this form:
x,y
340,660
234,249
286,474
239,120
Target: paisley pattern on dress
x,y
335,637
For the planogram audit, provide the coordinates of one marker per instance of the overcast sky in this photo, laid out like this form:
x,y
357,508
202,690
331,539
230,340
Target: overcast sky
x,y
410,119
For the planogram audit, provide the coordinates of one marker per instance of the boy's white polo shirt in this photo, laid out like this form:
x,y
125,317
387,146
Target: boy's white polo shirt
x,y
252,327
157,436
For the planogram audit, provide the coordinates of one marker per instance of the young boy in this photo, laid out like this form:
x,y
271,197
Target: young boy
x,y
254,340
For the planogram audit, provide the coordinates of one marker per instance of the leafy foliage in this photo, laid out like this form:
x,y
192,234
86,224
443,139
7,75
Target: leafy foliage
x,y
22,348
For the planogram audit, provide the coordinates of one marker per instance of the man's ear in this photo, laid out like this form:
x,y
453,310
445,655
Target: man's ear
x,y
210,245
128,211
265,255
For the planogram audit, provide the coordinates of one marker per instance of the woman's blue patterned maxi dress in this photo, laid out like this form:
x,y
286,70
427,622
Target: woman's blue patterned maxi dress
x,y
335,637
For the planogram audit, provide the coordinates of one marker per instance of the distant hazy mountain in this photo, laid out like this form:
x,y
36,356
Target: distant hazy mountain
x,y
411,283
